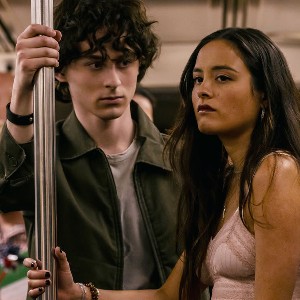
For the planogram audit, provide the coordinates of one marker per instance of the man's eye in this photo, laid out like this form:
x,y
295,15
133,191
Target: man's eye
x,y
128,58
125,62
96,65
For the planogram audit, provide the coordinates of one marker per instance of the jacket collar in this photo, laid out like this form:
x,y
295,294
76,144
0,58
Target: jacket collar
x,y
74,141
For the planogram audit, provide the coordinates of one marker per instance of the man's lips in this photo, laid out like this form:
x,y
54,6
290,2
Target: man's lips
x,y
111,98
204,108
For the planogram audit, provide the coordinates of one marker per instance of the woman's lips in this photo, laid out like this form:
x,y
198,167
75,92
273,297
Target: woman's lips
x,y
205,108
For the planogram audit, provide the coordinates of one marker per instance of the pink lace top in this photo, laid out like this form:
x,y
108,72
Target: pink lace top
x,y
230,263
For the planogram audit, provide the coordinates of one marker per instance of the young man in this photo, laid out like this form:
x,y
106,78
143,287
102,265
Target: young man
x,y
116,196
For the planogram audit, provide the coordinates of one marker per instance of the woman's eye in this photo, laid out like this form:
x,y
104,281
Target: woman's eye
x,y
223,78
198,80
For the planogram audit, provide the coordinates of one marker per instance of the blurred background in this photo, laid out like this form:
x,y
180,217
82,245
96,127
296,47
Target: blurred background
x,y
181,24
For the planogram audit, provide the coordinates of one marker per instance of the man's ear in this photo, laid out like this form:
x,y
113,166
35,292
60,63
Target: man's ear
x,y
60,77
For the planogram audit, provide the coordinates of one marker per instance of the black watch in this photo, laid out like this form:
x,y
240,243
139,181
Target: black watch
x,y
17,119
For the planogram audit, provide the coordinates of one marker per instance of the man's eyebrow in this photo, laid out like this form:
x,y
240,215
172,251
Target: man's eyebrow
x,y
100,57
93,56
216,68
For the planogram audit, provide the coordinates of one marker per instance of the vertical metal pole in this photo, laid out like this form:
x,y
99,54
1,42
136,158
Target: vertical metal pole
x,y
235,8
225,12
245,12
44,146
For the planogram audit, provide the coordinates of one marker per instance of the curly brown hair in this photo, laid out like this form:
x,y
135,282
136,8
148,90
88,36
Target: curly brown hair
x,y
125,23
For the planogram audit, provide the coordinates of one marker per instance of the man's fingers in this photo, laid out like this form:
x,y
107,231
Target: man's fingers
x,y
58,35
37,29
40,41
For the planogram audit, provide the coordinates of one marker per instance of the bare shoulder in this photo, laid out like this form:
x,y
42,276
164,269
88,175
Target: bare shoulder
x,y
277,168
275,165
276,187
276,212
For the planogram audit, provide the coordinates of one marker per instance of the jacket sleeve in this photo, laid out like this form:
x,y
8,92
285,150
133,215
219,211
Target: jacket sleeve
x,y
16,174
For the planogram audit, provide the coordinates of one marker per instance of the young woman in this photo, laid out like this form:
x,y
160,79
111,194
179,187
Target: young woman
x,y
237,141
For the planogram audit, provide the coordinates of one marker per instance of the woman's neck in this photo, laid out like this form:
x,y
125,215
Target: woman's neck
x,y
237,150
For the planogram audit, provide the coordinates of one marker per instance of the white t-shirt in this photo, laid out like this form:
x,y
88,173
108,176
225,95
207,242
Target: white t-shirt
x,y
138,257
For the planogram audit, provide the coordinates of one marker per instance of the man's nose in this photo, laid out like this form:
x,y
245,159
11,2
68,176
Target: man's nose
x,y
112,77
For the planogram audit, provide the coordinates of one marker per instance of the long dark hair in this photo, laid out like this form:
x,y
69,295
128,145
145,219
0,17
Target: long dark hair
x,y
124,21
202,161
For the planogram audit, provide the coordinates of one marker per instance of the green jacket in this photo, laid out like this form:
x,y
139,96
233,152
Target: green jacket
x,y
88,221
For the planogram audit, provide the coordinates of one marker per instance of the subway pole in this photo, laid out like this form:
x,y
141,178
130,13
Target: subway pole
x,y
45,154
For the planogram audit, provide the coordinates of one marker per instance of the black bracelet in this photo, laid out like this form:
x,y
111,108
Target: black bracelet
x,y
17,119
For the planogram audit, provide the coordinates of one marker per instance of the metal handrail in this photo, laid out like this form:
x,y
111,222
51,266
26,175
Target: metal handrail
x,y
45,154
